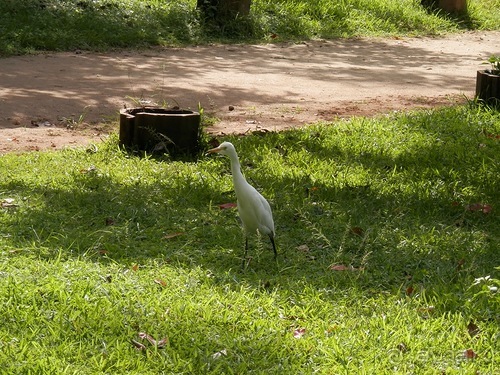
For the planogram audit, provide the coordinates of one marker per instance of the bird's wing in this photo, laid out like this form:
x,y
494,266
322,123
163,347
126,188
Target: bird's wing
x,y
255,212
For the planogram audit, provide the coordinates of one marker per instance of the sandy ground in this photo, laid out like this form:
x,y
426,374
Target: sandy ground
x,y
57,100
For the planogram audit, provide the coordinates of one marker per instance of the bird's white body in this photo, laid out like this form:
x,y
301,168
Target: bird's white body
x,y
254,210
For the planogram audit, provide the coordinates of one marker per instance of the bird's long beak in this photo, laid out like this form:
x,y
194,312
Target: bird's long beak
x,y
214,150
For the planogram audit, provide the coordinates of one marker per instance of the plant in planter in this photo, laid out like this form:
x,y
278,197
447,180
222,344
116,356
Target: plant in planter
x,y
488,82
495,64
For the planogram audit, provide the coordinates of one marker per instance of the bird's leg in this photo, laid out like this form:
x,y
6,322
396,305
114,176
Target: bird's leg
x,y
245,253
271,237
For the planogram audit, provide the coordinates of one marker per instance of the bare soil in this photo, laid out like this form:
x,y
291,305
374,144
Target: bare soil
x,y
58,100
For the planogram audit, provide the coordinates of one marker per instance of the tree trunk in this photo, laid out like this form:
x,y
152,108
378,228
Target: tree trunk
x,y
224,9
453,6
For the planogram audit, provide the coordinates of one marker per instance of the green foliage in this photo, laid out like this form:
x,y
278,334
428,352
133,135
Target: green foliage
x,y
495,63
33,25
388,232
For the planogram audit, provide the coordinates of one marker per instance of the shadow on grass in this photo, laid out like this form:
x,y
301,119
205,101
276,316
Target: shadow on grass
x,y
392,237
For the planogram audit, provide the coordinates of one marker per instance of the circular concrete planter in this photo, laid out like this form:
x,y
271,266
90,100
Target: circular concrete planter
x,y
153,129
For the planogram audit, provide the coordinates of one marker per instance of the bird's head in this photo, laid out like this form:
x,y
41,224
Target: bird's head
x,y
225,148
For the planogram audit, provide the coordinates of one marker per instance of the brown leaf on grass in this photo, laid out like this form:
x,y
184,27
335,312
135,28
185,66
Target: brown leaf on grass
x,y
402,347
226,206
358,231
303,248
138,345
160,282
426,311
470,354
162,343
333,328
172,235
135,267
343,267
90,169
492,136
299,332
8,202
479,207
410,290
339,267
473,329
219,354
159,344
149,338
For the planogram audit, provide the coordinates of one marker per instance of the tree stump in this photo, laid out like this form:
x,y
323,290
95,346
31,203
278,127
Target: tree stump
x,y
155,129
453,6
450,6
488,87
224,9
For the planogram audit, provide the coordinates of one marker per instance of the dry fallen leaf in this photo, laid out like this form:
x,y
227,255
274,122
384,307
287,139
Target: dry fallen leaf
x,y
339,267
479,207
138,345
472,328
135,267
162,343
402,347
303,248
493,136
299,332
225,206
8,202
357,231
470,354
172,235
343,267
145,336
160,282
159,344
90,169
426,312
219,354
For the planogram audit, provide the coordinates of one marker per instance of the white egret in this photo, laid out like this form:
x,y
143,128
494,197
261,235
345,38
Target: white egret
x,y
254,210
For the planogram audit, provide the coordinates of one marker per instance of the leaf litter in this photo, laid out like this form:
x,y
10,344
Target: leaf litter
x,y
147,339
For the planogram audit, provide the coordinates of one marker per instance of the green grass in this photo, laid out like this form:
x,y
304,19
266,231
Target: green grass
x,y
99,246
34,25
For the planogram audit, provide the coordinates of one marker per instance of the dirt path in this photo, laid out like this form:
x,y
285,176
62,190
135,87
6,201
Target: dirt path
x,y
62,99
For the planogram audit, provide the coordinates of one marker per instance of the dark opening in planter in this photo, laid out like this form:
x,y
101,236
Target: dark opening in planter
x,y
488,87
153,129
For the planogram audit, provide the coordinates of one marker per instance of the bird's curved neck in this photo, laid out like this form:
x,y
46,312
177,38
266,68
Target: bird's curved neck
x,y
238,177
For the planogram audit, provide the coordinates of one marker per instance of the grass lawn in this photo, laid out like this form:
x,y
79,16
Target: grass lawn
x,y
388,230
34,25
